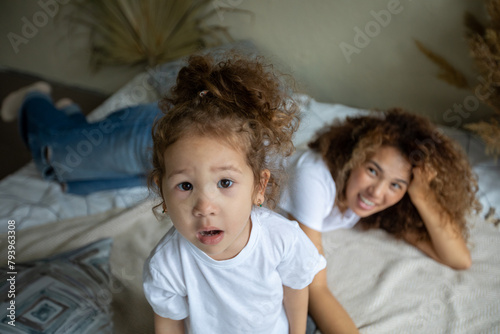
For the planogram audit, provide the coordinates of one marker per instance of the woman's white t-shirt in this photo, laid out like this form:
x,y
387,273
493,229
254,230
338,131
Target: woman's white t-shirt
x,y
309,194
240,295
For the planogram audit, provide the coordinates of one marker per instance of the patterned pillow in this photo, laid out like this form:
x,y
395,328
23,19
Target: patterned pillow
x,y
65,293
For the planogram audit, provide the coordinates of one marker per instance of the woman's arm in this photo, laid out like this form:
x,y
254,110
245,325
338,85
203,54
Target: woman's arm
x,y
326,311
168,326
295,302
446,244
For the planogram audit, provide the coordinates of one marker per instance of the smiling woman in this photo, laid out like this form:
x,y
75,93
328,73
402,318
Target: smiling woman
x,y
379,183
391,170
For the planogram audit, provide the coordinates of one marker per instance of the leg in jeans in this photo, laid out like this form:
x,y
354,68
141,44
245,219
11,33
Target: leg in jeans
x,y
311,325
87,157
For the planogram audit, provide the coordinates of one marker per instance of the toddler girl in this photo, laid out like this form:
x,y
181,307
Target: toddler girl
x,y
228,265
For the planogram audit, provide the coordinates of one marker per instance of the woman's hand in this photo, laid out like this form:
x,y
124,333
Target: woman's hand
x,y
420,186
446,244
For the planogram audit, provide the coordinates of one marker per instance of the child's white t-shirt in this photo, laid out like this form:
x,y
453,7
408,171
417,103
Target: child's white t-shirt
x,y
309,194
240,295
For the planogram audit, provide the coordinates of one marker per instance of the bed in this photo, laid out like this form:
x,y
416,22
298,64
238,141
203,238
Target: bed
x,y
73,264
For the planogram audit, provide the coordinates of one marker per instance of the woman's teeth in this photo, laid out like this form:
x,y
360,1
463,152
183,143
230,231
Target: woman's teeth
x,y
367,202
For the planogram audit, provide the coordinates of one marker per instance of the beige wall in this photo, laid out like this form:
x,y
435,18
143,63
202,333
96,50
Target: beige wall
x,y
318,41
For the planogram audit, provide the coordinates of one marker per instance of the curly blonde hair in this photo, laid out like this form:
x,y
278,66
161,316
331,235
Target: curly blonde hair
x,y
347,144
242,101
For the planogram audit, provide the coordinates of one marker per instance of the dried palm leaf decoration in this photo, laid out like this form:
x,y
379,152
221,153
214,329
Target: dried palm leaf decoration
x,y
149,32
484,47
448,73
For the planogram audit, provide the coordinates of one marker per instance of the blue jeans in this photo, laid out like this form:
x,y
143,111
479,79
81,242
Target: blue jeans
x,y
88,157
311,325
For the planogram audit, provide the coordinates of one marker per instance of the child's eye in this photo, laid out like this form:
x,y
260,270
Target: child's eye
x,y
372,171
225,183
185,186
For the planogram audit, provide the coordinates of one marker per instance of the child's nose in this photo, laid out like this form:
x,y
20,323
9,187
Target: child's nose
x,y
204,206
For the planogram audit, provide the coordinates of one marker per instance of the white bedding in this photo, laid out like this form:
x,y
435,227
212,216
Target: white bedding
x,y
389,286
386,285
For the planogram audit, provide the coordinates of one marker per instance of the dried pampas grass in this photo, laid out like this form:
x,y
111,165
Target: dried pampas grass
x,y
148,32
489,133
448,73
484,47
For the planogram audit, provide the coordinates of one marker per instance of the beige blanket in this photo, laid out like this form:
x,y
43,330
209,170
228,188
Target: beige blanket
x,y
386,285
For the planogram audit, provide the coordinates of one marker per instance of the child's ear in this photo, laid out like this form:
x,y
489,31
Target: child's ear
x,y
157,181
265,175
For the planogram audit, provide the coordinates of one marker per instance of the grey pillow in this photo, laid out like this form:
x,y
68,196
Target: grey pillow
x,y
65,293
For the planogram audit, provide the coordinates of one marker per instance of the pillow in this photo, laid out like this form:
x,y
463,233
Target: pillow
x,y
65,293
316,115
486,167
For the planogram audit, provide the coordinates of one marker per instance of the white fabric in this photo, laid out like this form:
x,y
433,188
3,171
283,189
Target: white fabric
x,y
29,200
315,115
240,295
389,286
310,193
386,285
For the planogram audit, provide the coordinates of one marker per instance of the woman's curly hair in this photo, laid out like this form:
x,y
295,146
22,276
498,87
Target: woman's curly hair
x,y
347,144
242,101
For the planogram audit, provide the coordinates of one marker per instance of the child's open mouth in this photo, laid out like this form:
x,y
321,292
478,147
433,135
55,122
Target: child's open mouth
x,y
210,236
